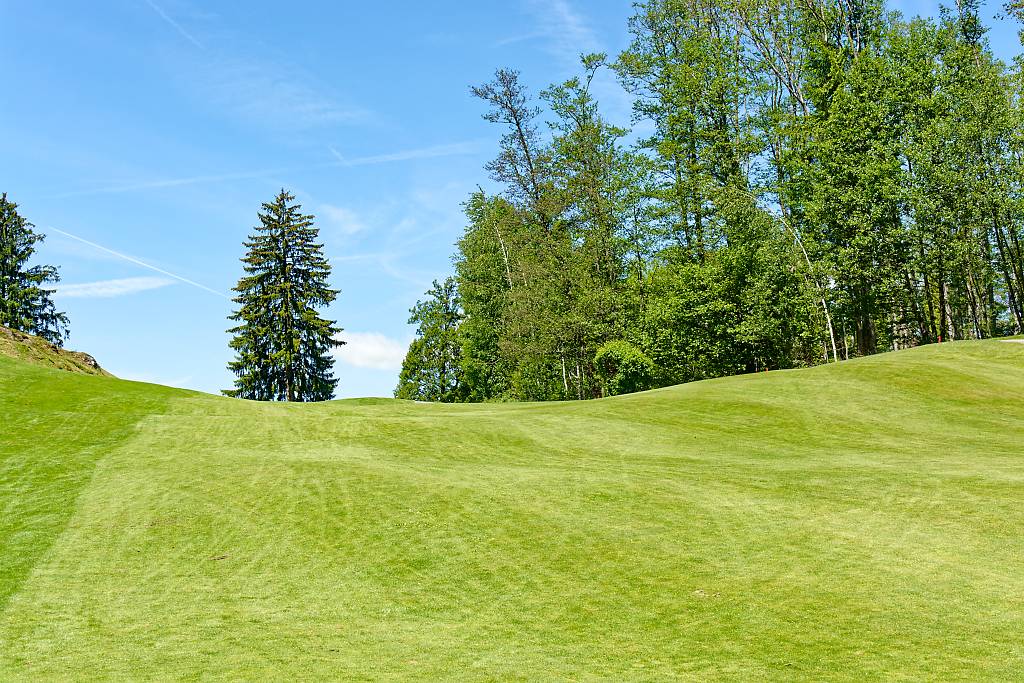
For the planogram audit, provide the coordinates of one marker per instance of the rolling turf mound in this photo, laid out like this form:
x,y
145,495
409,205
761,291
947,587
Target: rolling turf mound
x,y
861,521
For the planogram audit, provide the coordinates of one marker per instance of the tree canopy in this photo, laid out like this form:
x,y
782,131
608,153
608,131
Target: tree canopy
x,y
813,181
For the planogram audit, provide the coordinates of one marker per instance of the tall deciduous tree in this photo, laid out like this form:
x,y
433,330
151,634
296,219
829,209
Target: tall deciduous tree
x,y
432,370
812,180
26,303
283,345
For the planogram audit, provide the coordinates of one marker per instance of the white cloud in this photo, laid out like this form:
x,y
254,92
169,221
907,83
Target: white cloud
x,y
342,218
269,94
371,350
432,152
512,40
567,31
171,182
569,34
110,288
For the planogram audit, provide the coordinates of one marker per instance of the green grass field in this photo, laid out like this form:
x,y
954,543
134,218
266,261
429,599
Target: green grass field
x,y
853,522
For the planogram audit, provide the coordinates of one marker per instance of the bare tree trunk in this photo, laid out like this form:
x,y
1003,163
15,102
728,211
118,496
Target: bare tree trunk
x,y
565,379
946,311
915,306
1013,284
973,303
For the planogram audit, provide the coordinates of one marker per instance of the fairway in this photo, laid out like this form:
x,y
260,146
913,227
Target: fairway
x,y
859,521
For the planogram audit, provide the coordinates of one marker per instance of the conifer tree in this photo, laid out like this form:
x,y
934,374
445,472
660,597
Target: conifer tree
x,y
25,303
282,344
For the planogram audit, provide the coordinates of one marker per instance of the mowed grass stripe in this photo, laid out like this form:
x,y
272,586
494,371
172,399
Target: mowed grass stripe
x,y
56,426
851,522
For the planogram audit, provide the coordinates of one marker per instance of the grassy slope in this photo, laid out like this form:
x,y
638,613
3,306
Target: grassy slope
x,y
38,351
855,522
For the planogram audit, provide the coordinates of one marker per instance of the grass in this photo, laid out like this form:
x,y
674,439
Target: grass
x,y
38,351
852,522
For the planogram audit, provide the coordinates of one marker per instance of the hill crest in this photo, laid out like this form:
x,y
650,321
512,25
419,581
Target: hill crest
x,y
38,351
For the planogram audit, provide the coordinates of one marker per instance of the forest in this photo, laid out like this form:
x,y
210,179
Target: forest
x,y
806,181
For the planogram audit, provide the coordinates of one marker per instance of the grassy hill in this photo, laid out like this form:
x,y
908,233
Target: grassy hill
x,y
852,522
37,350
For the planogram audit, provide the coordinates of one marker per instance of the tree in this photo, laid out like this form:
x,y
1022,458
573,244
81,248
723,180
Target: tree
x,y
25,303
432,369
684,69
811,180
282,344
623,368
540,264
1015,9
488,275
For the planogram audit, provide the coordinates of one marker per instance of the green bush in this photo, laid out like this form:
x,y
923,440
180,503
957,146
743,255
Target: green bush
x,y
623,368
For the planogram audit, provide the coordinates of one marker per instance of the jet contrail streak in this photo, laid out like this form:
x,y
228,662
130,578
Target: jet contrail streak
x,y
178,27
140,263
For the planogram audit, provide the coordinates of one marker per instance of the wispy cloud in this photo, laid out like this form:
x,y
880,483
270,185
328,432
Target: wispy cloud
x,y
568,32
512,40
341,218
138,262
432,152
177,27
406,233
172,182
374,256
269,94
371,350
252,80
111,288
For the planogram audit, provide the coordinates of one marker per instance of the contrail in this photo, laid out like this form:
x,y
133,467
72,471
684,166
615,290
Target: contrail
x,y
454,149
185,34
173,182
140,263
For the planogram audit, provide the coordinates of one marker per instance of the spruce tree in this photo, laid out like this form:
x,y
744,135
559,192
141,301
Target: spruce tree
x,y
25,303
283,346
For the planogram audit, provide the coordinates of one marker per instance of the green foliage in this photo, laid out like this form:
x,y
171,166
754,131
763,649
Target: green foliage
x,y
432,369
1015,9
623,368
818,180
283,346
487,253
26,304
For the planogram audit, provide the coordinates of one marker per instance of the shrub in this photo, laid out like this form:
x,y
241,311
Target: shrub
x,y
623,368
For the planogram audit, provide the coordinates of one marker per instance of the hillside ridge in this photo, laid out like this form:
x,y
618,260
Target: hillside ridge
x,y
38,351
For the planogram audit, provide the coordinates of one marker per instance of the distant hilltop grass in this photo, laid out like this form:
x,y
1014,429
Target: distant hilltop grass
x,y
38,351
858,521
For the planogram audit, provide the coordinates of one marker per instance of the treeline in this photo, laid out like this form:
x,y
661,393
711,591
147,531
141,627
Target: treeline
x,y
810,180
282,344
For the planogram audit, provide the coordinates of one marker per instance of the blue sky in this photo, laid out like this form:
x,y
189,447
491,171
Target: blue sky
x,y
149,132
